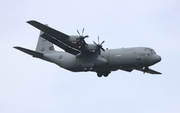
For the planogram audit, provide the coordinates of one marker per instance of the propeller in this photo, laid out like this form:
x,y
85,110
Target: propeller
x,y
81,38
99,46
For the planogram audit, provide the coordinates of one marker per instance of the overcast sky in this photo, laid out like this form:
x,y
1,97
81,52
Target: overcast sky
x,y
29,85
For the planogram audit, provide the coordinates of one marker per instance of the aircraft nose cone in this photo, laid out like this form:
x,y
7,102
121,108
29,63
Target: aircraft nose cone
x,y
153,60
157,58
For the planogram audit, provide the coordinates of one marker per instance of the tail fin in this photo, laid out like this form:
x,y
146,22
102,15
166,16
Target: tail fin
x,y
44,46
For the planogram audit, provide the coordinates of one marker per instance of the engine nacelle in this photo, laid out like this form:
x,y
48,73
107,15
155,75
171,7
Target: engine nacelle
x,y
90,48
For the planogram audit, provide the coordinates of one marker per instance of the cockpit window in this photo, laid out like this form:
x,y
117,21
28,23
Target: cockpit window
x,y
151,51
146,49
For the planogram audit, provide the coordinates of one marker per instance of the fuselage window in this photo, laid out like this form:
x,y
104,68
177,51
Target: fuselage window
x,y
142,54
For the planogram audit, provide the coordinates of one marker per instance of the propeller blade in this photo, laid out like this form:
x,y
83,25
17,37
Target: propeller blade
x,y
82,31
95,43
99,52
83,41
102,42
78,33
86,36
98,39
103,49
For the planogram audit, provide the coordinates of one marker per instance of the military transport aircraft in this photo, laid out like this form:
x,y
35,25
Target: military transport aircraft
x,y
80,56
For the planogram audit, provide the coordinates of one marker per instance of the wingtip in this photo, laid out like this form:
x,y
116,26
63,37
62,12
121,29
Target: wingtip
x,y
158,73
16,47
31,21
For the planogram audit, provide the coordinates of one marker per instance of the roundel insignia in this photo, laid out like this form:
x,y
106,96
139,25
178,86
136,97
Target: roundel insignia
x,y
60,57
42,49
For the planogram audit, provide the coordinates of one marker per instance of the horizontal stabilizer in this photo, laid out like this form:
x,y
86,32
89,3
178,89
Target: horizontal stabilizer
x,y
30,52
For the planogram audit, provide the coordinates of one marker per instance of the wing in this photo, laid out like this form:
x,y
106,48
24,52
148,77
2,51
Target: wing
x,y
150,71
55,37
60,44
50,31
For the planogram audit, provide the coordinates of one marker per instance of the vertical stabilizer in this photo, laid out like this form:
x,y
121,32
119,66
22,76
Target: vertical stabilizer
x,y
44,46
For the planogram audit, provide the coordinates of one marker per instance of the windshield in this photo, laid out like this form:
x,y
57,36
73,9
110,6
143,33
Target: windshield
x,y
151,51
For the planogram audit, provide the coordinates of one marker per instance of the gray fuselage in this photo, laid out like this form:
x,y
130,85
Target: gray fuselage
x,y
110,60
